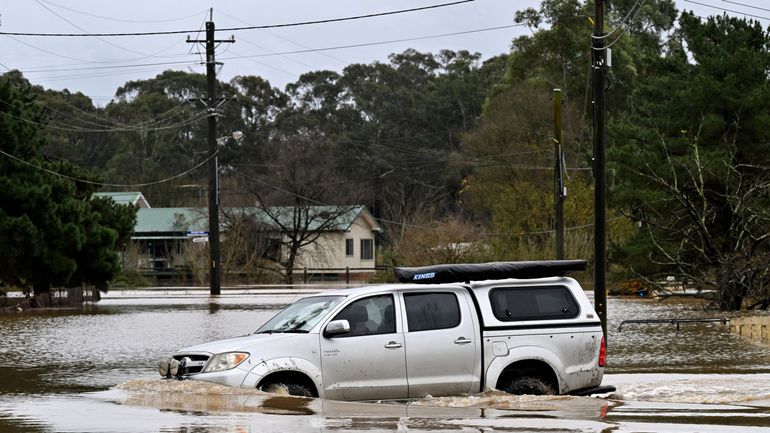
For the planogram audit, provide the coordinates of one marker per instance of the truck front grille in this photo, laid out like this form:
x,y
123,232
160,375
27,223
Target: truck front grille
x,y
192,363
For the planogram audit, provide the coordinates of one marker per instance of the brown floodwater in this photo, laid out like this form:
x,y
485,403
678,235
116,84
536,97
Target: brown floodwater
x,y
94,370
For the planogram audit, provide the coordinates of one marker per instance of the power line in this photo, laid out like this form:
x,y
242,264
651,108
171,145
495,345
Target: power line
x,y
122,20
235,29
86,61
117,185
338,47
46,51
728,10
140,126
90,68
130,73
265,65
623,22
194,119
392,41
275,35
625,27
747,5
39,2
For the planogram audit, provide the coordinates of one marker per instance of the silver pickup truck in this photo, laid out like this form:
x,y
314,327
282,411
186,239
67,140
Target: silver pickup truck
x,y
521,327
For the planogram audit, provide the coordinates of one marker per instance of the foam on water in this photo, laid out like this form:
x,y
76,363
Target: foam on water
x,y
494,399
708,389
194,387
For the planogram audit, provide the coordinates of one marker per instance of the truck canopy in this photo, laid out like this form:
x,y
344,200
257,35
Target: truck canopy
x,y
466,272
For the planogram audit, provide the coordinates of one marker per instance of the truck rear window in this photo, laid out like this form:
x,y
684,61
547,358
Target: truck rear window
x,y
533,303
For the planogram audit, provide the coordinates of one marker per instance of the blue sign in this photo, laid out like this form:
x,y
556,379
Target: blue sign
x,y
197,233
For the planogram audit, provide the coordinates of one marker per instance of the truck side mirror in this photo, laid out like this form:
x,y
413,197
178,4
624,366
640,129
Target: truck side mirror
x,y
337,327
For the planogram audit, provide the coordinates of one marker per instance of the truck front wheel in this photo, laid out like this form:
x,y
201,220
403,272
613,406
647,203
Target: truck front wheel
x,y
528,385
287,389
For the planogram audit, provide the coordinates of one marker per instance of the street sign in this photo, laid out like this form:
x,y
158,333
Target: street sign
x,y
197,233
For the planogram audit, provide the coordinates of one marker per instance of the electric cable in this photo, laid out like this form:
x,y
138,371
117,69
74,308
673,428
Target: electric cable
x,y
746,5
156,120
198,117
122,20
625,29
392,41
728,10
623,22
114,73
117,185
275,35
265,65
339,47
234,29
39,2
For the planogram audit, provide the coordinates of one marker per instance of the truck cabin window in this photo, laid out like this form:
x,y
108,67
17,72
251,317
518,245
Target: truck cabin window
x,y
369,316
428,311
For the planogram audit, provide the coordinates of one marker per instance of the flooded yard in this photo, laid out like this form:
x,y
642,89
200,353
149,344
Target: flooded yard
x,y
95,371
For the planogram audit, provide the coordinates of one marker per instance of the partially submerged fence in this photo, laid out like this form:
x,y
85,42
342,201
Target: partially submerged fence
x,y
675,321
347,273
756,328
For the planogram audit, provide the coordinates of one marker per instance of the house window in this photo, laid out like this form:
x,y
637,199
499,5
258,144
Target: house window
x,y
367,249
349,252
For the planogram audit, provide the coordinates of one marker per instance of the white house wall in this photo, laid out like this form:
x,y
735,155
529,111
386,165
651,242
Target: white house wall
x,y
329,250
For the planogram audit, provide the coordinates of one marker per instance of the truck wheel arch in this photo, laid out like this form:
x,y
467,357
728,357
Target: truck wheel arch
x,y
278,370
541,375
291,379
531,361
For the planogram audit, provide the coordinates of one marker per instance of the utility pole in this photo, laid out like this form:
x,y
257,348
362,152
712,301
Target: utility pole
x,y
211,81
560,192
599,70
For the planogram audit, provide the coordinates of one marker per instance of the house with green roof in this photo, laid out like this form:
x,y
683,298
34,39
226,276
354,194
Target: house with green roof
x,y
343,243
134,198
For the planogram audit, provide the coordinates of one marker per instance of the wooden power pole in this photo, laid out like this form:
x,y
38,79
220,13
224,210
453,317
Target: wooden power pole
x,y
213,176
560,192
599,70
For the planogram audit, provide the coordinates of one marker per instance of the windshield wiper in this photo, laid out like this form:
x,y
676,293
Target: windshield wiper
x,y
283,331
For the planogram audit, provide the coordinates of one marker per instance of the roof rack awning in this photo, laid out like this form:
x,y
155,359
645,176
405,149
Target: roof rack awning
x,y
463,272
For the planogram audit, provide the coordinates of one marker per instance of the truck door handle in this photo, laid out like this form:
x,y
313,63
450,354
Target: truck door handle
x,y
393,345
463,340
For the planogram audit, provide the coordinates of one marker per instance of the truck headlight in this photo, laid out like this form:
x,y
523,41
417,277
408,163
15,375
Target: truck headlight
x,y
224,361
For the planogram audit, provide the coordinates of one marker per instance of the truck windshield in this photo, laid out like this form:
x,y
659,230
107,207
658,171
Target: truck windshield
x,y
300,316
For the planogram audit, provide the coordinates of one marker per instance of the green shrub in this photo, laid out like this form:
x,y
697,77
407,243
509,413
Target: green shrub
x,y
130,277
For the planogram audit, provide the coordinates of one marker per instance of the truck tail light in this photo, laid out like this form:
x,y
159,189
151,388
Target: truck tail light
x,y
602,353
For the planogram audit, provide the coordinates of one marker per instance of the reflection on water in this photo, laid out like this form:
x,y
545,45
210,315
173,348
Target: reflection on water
x,y
94,371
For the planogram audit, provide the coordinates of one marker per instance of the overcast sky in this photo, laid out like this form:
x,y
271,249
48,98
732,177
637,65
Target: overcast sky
x,y
97,66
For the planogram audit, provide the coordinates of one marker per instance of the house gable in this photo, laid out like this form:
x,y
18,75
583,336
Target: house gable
x,y
135,199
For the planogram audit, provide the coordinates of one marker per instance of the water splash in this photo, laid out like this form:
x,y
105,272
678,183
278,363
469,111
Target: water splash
x,y
708,389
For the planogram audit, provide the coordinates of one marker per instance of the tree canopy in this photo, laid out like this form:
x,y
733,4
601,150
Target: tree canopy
x,y
50,233
695,173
